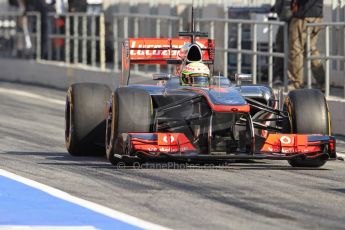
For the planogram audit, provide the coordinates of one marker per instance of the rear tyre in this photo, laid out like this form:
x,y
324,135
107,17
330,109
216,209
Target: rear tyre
x,y
131,111
85,121
308,112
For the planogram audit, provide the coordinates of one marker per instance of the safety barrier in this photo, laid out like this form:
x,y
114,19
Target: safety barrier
x,y
20,35
327,56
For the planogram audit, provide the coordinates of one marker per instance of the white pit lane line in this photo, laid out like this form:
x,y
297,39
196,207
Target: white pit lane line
x,y
31,95
81,202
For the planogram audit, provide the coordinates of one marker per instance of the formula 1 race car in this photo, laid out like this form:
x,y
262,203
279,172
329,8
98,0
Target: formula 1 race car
x,y
221,119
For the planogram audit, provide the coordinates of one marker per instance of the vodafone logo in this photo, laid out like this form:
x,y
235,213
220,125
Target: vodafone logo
x,y
165,139
285,140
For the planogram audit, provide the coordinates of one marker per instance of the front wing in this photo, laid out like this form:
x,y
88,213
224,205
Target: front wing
x,y
275,147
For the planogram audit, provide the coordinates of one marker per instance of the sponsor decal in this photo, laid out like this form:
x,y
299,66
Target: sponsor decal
x,y
165,139
285,140
165,149
288,150
153,50
153,149
161,48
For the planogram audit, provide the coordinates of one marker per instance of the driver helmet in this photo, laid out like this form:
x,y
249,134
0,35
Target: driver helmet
x,y
195,74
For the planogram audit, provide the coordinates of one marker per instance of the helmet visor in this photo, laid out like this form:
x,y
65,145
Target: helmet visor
x,y
201,80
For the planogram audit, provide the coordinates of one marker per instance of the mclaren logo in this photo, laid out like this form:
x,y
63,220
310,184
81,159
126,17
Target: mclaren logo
x,y
165,139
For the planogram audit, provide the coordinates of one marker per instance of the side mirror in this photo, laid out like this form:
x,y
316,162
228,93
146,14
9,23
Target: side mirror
x,y
239,77
161,76
220,81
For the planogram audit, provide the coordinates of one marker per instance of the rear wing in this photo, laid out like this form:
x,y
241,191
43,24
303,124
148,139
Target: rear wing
x,y
160,51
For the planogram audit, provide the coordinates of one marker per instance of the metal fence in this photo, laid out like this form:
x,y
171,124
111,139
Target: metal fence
x,y
73,39
20,35
237,34
77,39
142,25
327,57
81,39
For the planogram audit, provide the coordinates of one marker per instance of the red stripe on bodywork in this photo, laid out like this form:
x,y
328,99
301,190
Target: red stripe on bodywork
x,y
289,144
164,143
229,108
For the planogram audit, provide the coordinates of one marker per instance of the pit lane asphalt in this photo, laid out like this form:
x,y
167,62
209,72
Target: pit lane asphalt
x,y
257,195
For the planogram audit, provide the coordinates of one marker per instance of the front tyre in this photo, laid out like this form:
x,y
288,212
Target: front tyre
x,y
308,113
130,111
84,118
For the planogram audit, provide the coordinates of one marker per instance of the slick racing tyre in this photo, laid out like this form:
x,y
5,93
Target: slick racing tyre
x,y
131,111
85,120
308,113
